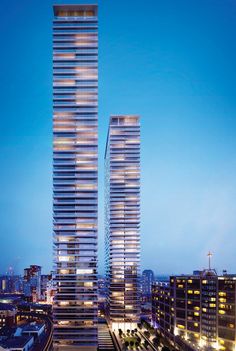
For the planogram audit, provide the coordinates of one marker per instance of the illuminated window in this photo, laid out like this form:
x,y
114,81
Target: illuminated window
x,y
221,312
180,326
84,271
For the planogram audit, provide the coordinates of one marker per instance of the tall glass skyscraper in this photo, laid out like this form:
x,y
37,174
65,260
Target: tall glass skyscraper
x,y
122,208
75,84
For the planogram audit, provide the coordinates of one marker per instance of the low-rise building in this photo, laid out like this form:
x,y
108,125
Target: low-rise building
x,y
34,329
197,309
161,308
7,315
20,343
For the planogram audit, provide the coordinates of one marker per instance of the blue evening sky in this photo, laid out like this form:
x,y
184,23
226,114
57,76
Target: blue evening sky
x,y
172,62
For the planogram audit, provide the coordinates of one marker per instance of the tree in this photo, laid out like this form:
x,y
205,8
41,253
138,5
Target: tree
x,y
127,343
152,330
156,341
147,334
146,344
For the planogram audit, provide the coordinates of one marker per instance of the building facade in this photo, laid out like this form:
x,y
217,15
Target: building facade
x,y
197,311
7,315
122,208
162,316
75,156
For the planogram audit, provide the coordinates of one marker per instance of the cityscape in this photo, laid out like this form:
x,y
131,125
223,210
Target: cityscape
x,y
114,300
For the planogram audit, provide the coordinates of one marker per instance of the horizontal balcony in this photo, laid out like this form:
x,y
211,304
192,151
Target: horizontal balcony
x,y
61,63
75,23
73,209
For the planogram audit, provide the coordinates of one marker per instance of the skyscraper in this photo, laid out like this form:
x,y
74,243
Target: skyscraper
x,y
75,84
122,163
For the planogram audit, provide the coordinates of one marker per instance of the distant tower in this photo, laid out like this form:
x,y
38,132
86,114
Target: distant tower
x,y
32,282
147,280
122,163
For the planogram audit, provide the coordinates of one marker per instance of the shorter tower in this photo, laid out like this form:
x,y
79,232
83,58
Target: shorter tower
x,y
122,208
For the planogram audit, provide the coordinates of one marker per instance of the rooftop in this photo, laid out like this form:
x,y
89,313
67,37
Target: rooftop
x,y
19,341
79,10
121,120
6,307
33,327
7,331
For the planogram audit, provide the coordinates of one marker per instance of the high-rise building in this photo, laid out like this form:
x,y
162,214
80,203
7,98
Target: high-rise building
x,y
75,100
147,280
122,163
197,311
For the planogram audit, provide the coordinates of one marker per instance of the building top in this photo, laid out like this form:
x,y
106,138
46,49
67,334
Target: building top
x,y
19,341
203,275
86,10
148,272
124,120
161,283
7,307
121,120
7,331
33,327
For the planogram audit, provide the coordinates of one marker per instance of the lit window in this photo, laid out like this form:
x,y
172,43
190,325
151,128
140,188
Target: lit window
x,y
84,271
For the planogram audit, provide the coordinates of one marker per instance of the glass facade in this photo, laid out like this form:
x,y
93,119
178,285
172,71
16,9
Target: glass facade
x,y
75,100
122,208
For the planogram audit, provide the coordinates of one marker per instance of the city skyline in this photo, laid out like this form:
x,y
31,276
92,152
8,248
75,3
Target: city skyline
x,y
182,85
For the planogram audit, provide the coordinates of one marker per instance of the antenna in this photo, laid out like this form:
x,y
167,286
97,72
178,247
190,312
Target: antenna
x,y
210,254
